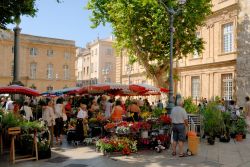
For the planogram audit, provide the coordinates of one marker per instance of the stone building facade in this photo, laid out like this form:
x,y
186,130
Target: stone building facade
x,y
217,71
96,63
45,63
213,72
243,58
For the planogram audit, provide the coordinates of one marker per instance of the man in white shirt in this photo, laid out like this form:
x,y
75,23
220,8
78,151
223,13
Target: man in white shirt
x,y
179,121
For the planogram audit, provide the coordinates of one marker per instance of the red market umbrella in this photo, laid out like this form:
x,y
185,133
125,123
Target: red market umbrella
x,y
16,89
144,89
112,88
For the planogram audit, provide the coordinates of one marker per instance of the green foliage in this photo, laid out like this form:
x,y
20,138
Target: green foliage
x,y
157,112
213,120
142,27
10,120
241,126
30,126
11,10
189,106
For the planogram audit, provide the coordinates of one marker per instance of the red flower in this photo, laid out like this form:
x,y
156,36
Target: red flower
x,y
135,127
109,126
165,119
123,123
126,150
145,126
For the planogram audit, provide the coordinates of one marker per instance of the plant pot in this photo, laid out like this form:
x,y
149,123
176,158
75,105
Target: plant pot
x,y
211,140
225,139
44,154
232,135
238,137
144,134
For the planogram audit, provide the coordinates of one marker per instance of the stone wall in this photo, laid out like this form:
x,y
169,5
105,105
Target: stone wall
x,y
243,59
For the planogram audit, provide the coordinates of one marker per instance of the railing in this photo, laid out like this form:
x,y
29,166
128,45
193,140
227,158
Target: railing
x,y
194,122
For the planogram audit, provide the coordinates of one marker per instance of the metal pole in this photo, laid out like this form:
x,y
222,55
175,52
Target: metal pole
x,y
16,77
171,98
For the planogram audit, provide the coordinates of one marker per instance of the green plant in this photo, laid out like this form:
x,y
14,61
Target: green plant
x,y
30,126
241,126
10,120
157,112
189,106
213,120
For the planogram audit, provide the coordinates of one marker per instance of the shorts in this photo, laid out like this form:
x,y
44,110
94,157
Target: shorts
x,y
179,132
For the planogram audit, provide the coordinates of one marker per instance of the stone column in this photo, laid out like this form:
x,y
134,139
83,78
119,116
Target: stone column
x,y
16,76
243,48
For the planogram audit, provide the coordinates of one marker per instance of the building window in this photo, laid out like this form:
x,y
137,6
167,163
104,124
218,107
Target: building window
x,y
49,88
108,65
50,71
195,87
33,70
66,72
50,52
107,80
87,70
227,86
33,51
84,71
91,68
196,54
12,69
66,55
109,51
228,38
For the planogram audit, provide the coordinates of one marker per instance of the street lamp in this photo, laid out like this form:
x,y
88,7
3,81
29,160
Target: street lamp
x,y
171,11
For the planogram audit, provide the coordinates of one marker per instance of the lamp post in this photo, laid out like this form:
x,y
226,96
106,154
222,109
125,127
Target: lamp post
x,y
16,76
171,11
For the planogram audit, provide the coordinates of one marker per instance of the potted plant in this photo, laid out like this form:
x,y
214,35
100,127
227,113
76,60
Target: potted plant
x,y
145,127
241,128
225,136
189,106
213,122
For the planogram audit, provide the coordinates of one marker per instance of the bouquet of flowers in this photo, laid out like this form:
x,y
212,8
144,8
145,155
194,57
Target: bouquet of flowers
x,y
109,126
122,130
123,123
135,127
165,119
145,126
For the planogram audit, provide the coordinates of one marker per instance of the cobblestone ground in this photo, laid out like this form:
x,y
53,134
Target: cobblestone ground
x,y
233,154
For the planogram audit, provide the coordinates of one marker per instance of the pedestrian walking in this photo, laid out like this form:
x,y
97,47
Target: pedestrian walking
x,y
180,122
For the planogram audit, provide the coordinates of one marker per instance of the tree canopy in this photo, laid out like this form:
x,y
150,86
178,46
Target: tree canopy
x,y
142,27
11,10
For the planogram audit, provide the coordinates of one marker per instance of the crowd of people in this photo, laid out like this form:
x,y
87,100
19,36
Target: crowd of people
x,y
57,112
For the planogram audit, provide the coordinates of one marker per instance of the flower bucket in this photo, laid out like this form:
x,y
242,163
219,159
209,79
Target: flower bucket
x,y
161,131
144,134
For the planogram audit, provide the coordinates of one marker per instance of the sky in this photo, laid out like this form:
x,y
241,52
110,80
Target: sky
x,y
67,20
